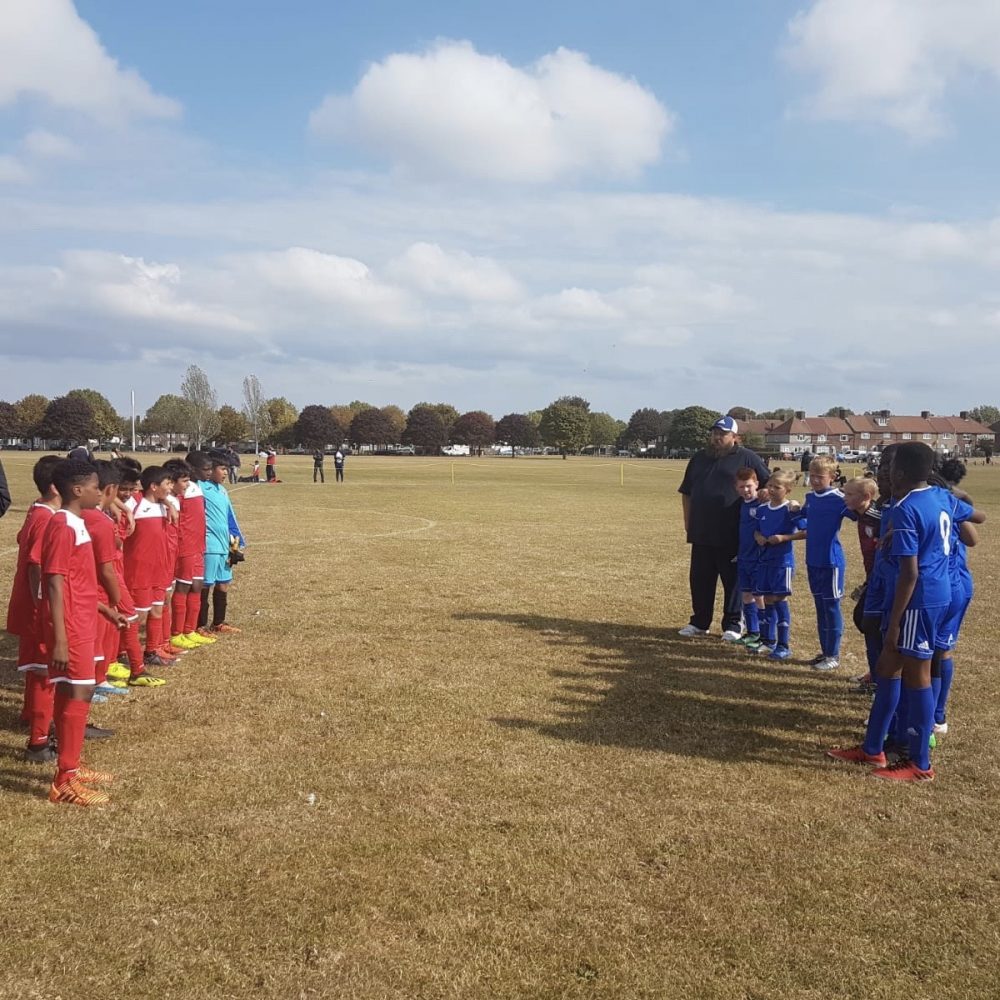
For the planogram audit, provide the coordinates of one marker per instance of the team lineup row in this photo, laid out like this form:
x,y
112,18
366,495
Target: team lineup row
x,y
117,567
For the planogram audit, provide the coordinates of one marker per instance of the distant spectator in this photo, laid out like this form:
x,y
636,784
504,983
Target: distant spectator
x,y
318,465
338,465
4,492
272,465
81,453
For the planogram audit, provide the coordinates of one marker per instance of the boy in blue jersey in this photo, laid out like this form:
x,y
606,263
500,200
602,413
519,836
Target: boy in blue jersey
x,y
824,509
220,526
964,516
777,527
917,540
748,556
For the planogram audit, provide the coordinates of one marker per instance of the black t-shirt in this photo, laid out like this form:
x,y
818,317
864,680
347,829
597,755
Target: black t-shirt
x,y
710,482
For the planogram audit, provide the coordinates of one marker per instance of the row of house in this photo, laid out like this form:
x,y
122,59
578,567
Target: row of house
x,y
868,432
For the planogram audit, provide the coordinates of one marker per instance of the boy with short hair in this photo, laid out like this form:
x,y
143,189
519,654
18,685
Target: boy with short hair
x,y
824,509
748,556
70,610
916,572
23,613
220,527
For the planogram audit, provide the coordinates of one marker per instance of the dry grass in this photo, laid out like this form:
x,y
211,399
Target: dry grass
x,y
526,785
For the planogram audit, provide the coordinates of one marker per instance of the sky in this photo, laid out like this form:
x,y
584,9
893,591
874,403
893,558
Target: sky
x,y
783,203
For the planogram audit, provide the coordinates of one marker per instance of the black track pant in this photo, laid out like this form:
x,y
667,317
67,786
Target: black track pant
x,y
709,564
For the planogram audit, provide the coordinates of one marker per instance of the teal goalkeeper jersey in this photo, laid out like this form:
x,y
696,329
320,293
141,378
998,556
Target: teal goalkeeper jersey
x,y
220,521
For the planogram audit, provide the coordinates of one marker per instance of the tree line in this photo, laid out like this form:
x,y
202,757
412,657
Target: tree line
x,y
194,417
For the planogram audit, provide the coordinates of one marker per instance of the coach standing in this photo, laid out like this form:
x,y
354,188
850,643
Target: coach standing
x,y
711,522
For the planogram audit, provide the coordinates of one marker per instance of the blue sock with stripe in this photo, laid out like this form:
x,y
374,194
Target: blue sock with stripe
x,y
883,707
768,622
947,675
822,625
921,725
784,613
899,731
835,626
751,618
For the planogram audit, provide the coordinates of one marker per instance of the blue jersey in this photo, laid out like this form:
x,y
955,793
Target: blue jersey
x,y
778,521
749,551
961,578
921,525
824,512
220,521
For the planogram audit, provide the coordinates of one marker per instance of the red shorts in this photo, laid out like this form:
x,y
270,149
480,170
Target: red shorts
x,y
107,639
190,568
125,603
31,654
79,669
147,597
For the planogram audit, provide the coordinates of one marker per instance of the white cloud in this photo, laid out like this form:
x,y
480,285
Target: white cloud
x,y
436,272
893,61
47,145
13,171
456,111
47,51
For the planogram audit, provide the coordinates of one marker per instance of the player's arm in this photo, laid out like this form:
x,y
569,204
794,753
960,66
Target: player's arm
x,y
968,534
906,583
35,583
233,524
60,649
109,581
112,615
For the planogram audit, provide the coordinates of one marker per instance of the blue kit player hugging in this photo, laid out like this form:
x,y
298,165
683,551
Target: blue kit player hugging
x,y
917,534
825,509
777,527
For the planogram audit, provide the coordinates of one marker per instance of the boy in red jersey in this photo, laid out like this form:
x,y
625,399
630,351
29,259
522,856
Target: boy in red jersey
x,y
146,560
70,610
22,613
190,568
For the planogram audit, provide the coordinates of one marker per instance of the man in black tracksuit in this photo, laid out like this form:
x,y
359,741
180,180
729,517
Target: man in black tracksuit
x,y
711,521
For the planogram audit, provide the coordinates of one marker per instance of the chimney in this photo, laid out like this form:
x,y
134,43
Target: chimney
x,y
964,414
800,414
884,413
924,414
842,413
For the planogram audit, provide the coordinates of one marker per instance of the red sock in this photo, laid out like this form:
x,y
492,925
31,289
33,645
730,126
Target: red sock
x,y
26,704
71,722
132,646
191,614
153,634
178,607
100,670
165,632
38,689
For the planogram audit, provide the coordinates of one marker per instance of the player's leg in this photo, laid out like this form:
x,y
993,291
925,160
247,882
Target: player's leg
x,y
732,605
702,578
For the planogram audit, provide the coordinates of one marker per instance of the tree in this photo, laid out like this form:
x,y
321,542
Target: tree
x,y
201,413
68,418
742,413
425,429
255,409
644,426
107,422
343,414
517,430
372,426
167,417
691,427
985,414
445,411
565,424
986,446
31,409
233,425
535,416
603,429
281,416
398,418
781,414
476,428
316,428
835,411
10,421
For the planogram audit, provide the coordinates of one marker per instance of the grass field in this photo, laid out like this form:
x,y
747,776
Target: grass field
x,y
526,785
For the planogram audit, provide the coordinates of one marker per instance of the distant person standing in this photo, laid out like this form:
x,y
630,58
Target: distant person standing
x,y
711,523
234,463
4,492
807,457
318,465
338,465
271,465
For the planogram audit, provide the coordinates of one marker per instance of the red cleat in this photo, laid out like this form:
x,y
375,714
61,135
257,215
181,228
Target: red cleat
x,y
91,777
903,770
857,755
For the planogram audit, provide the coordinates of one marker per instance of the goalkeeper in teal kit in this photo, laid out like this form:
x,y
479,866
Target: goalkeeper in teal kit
x,y
221,531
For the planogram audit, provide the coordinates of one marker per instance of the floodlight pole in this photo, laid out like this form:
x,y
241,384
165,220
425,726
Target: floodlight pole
x,y
132,391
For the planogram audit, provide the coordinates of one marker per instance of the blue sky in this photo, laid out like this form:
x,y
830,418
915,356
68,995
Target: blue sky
x,y
768,204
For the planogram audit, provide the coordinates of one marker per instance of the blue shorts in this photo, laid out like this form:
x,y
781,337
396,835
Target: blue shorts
x,y
774,580
918,630
746,577
217,569
951,623
826,582
875,595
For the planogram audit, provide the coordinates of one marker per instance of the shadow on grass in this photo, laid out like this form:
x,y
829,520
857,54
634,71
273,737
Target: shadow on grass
x,y
646,688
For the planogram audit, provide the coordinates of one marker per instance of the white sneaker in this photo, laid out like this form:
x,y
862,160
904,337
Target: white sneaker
x,y
691,630
731,635
827,664
940,728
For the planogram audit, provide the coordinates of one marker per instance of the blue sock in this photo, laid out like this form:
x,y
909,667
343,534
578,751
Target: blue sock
x,y
752,618
784,614
835,623
936,688
947,675
768,621
921,725
883,707
899,732
822,626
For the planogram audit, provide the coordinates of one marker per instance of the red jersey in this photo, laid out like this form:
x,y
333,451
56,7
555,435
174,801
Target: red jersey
x,y
146,547
192,526
101,529
21,610
172,536
67,552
